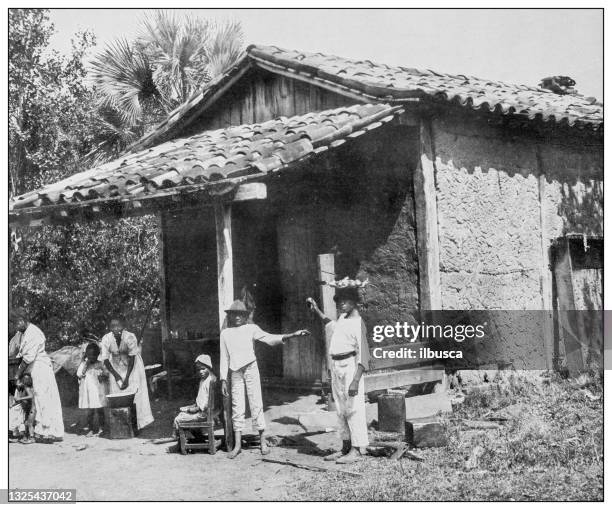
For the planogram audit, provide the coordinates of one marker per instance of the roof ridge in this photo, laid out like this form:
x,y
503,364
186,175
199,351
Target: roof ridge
x,y
405,68
374,81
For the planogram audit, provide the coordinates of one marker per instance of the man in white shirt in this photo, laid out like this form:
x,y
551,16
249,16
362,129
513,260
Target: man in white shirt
x,y
349,359
238,361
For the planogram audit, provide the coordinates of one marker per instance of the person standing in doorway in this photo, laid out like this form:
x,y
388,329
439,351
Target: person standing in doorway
x,y
238,362
350,355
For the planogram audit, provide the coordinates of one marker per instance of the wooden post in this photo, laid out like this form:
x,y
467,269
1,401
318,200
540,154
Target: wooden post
x,y
225,273
427,224
163,295
225,290
327,272
546,284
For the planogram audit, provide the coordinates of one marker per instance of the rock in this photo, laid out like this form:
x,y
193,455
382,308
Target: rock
x,y
425,433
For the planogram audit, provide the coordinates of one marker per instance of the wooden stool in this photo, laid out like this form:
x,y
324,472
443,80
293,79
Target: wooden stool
x,y
207,441
118,422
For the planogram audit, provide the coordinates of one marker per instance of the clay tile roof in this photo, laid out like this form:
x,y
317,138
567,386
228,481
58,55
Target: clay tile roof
x,y
382,81
237,152
396,84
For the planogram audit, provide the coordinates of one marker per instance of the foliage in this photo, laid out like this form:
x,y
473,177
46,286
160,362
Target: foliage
x,y
63,120
76,276
72,276
48,123
174,56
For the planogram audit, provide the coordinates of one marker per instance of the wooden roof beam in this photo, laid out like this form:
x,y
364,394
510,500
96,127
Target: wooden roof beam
x,y
124,206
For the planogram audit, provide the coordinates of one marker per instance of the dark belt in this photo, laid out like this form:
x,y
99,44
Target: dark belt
x,y
339,357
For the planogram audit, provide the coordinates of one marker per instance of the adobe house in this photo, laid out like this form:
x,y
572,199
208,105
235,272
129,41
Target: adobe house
x,y
445,192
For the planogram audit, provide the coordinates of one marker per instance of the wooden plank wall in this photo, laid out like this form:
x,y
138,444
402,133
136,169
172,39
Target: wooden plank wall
x,y
297,252
361,210
260,96
256,266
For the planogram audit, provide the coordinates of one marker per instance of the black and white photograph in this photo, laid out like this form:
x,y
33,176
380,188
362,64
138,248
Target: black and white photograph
x,y
304,254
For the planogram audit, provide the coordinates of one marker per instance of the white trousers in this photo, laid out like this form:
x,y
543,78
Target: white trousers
x,y
351,410
247,376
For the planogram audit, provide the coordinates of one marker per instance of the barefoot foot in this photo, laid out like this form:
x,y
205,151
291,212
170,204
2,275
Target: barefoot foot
x,y
234,453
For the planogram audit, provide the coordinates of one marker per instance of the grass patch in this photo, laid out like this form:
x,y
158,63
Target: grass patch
x,y
549,448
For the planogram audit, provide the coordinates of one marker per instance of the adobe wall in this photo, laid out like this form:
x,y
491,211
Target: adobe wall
x,y
501,201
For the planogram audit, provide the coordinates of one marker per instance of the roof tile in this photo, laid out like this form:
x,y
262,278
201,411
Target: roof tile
x,y
384,83
403,83
220,155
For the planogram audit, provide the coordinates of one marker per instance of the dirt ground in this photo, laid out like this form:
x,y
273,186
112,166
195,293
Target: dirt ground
x,y
514,440
137,469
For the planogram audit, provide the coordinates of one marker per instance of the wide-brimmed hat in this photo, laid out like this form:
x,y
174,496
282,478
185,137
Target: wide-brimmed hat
x,y
204,359
237,307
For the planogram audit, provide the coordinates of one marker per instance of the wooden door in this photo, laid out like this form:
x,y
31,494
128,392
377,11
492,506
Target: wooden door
x,y
297,254
578,269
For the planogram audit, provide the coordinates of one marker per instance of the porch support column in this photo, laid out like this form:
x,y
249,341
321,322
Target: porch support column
x,y
427,223
225,273
163,294
327,272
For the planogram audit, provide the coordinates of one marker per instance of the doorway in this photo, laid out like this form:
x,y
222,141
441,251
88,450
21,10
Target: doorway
x,y
256,268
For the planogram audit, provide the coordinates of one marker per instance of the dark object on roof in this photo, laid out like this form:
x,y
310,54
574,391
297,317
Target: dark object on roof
x,y
371,82
559,84
222,158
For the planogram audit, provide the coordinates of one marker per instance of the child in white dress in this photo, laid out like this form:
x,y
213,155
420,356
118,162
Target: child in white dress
x,y
93,388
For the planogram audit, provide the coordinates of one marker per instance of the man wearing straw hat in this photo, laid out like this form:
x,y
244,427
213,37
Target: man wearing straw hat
x,y
239,363
350,355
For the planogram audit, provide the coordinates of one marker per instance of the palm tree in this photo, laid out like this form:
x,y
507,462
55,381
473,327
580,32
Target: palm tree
x,y
111,136
172,57
123,77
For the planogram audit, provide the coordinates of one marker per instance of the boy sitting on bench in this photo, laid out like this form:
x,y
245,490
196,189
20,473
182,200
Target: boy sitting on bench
x,y
197,411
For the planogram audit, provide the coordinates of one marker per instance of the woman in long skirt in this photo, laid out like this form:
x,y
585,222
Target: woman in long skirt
x,y
48,425
121,356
